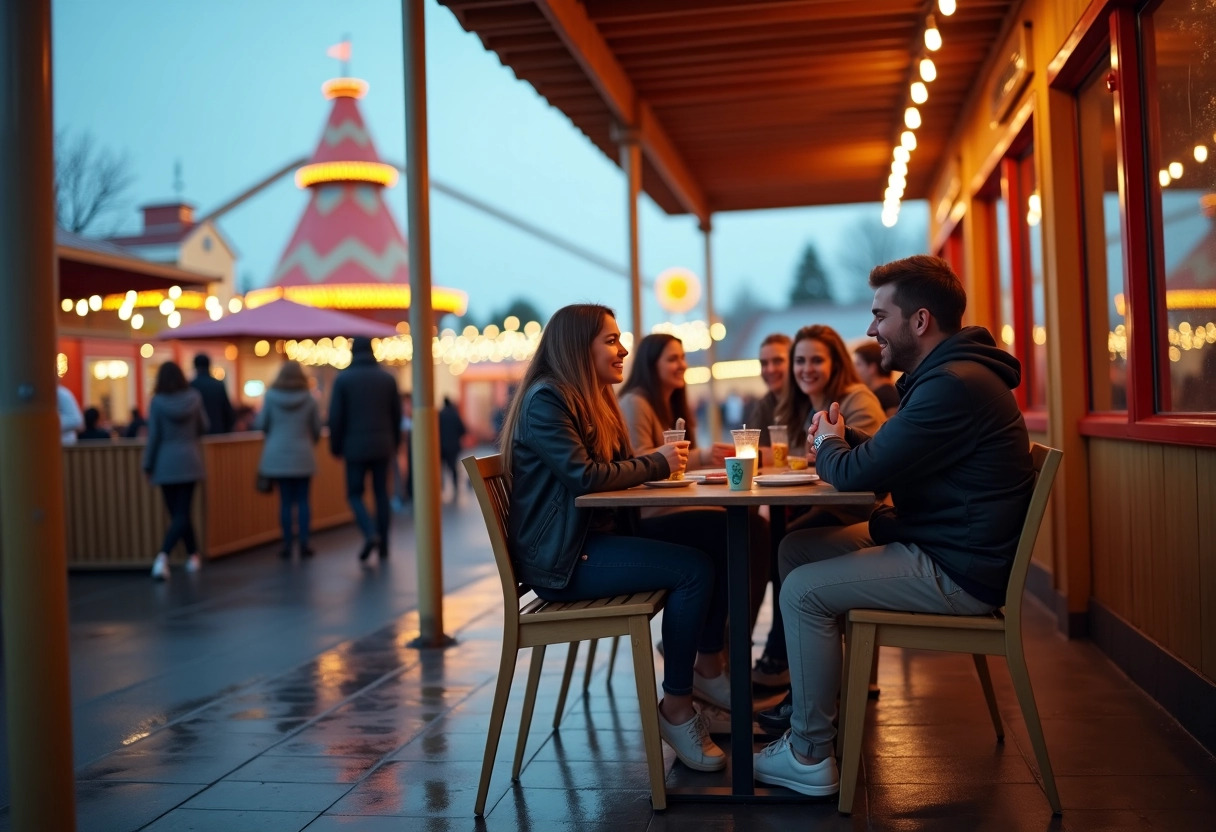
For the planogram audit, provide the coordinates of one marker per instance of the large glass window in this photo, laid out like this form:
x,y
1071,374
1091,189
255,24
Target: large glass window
x,y
1107,322
1179,72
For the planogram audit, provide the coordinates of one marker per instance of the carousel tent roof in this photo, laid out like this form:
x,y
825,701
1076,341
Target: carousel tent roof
x,y
281,319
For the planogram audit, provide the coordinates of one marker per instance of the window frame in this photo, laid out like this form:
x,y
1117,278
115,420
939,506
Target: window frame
x,y
1113,28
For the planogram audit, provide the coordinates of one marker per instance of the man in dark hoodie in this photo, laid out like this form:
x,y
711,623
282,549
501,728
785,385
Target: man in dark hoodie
x,y
364,429
216,404
956,461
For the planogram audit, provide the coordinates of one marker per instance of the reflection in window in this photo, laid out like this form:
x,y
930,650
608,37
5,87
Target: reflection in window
x,y
1031,216
1107,335
1181,69
1004,274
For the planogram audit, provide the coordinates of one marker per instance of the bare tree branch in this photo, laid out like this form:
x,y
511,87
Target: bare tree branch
x,y
90,182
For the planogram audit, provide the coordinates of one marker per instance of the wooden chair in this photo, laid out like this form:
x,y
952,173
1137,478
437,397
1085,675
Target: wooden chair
x,y
536,623
997,634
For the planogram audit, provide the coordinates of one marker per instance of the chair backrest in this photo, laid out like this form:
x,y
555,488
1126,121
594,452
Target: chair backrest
x,y
493,492
1046,463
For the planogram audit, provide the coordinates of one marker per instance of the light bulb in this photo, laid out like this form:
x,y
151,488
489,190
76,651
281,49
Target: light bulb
x,y
907,140
947,7
920,93
912,118
902,154
928,69
1176,170
1201,153
1163,176
933,38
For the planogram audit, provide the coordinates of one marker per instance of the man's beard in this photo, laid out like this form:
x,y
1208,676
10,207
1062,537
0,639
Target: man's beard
x,y
900,353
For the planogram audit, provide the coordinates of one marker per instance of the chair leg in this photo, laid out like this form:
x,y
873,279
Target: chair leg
x,y
874,690
498,711
616,642
643,671
571,657
842,708
981,668
525,719
590,663
1030,715
861,658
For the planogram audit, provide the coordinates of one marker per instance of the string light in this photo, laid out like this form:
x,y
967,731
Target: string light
x,y
912,118
933,38
946,7
928,69
920,93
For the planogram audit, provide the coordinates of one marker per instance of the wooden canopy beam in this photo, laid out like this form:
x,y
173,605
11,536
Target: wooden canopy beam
x,y
589,49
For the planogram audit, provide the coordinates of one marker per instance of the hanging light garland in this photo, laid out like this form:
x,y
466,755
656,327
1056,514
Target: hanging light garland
x,y
918,95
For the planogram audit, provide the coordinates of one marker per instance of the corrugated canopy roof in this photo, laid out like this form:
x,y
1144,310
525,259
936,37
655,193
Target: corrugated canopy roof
x,y
745,104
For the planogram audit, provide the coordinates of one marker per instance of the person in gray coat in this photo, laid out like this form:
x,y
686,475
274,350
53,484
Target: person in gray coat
x,y
173,459
365,429
291,422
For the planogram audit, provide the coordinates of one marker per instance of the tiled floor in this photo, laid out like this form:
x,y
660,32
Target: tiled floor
x,y
264,695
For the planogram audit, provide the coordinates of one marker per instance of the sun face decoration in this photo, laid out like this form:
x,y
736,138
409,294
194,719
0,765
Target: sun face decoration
x,y
677,289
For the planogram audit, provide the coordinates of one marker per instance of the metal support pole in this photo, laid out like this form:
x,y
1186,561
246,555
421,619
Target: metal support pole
x,y
424,440
715,415
631,162
32,540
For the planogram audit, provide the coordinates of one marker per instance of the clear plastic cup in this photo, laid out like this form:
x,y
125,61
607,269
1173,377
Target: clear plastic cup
x,y
747,445
779,437
670,437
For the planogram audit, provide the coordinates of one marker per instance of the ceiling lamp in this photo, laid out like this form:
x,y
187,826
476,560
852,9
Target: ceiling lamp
x,y
933,38
928,70
946,7
920,93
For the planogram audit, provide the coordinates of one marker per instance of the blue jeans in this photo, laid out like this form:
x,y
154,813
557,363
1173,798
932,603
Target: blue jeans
x,y
293,493
356,473
618,565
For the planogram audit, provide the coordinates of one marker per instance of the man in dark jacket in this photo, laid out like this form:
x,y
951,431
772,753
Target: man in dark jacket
x,y
451,433
220,416
364,429
956,461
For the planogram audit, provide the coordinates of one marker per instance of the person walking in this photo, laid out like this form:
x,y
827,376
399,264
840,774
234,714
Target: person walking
x,y
173,459
216,404
564,436
364,430
291,423
451,435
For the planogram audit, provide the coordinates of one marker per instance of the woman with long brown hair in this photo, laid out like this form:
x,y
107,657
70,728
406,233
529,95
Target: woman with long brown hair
x,y
564,436
655,396
822,372
173,459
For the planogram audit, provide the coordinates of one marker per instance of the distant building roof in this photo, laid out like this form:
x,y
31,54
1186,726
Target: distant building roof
x,y
102,267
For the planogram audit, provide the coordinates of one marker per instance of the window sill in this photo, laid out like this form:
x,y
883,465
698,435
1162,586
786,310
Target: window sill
x,y
1168,430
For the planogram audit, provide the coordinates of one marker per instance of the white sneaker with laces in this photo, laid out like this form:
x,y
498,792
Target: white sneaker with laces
x,y
777,766
194,563
714,690
692,744
160,567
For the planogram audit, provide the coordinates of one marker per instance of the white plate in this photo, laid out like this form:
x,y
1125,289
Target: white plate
x,y
786,479
701,472
668,483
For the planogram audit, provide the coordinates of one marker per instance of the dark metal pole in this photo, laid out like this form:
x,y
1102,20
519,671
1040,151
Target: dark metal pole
x,y
424,439
32,540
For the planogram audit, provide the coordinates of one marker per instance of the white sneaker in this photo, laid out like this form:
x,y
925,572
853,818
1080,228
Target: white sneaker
x,y
777,766
692,744
714,690
194,563
160,567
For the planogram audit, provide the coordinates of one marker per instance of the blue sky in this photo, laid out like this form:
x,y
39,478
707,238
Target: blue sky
x,y
231,89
